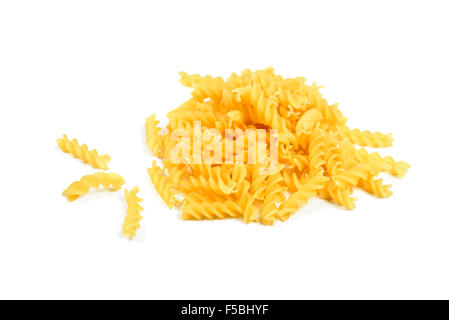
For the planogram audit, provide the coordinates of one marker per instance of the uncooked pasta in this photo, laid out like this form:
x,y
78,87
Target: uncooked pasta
x,y
258,146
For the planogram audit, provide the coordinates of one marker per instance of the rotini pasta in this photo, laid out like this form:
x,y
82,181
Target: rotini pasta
x,y
131,223
366,138
315,150
153,138
110,181
82,152
163,185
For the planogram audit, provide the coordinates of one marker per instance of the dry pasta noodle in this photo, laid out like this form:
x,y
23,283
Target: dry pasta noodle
x,y
82,152
110,181
131,223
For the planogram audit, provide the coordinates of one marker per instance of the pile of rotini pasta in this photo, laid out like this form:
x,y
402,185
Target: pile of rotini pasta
x,y
317,153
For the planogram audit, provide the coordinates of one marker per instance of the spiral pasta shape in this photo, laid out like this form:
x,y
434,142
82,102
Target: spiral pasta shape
x,y
203,87
361,172
163,185
211,210
153,138
398,168
376,187
110,181
274,193
317,153
133,216
339,195
366,138
306,189
83,153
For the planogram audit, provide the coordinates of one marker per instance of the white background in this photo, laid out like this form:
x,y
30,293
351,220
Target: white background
x,y
96,69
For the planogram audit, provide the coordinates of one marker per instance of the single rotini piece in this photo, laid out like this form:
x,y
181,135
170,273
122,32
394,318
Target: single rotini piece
x,y
82,152
133,216
211,210
398,168
163,185
153,138
366,138
110,181
361,172
317,153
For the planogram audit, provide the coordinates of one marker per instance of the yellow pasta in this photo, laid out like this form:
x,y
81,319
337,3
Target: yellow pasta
x,y
153,138
366,138
315,152
211,210
308,121
131,223
82,152
110,181
163,185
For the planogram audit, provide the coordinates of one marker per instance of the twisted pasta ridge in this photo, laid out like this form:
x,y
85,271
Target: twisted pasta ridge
x,y
334,163
246,201
361,172
258,182
347,154
263,110
238,175
176,173
305,190
293,203
317,152
210,210
296,101
207,118
301,162
291,180
163,185
204,196
308,121
133,216
330,112
213,181
341,196
366,138
376,187
153,138
203,87
398,168
110,181
274,193
83,153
